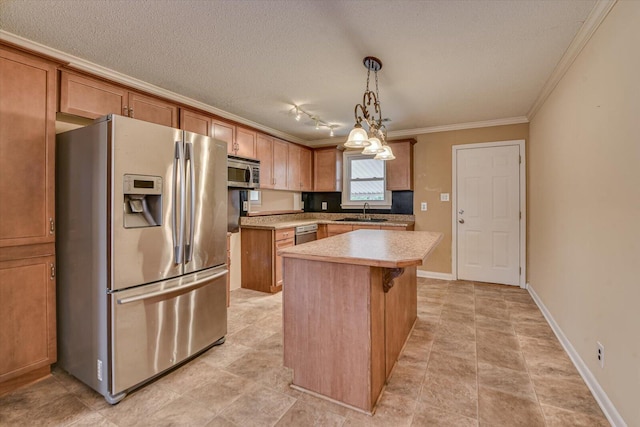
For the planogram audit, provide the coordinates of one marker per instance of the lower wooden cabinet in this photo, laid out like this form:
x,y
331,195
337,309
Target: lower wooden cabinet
x,y
328,230
261,266
28,320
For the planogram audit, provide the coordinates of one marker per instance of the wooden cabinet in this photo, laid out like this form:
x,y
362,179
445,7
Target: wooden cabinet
x,y
264,153
327,169
299,168
245,143
328,230
400,171
223,131
261,266
335,229
27,219
88,97
27,316
192,121
280,162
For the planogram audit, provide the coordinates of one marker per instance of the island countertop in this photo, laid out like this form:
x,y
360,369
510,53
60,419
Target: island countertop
x,y
376,248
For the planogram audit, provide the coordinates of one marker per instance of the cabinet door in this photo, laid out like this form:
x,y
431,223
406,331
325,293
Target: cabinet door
x,y
87,97
306,169
293,168
280,244
245,143
400,170
223,131
327,169
27,137
27,315
195,122
264,153
280,160
334,229
153,110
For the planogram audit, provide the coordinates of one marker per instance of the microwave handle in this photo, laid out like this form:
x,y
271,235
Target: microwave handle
x,y
248,175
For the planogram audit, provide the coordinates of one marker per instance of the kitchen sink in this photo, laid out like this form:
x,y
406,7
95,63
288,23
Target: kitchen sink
x,y
363,219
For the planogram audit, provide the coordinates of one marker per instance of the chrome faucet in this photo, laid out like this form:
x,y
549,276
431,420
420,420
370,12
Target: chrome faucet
x,y
364,209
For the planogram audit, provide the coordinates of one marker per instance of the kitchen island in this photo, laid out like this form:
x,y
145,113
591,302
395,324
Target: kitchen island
x,y
349,304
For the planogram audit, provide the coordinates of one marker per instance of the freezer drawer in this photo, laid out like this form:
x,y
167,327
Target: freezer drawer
x,y
157,326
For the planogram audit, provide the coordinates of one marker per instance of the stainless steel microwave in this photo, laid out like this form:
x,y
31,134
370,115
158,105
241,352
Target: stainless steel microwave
x,y
243,172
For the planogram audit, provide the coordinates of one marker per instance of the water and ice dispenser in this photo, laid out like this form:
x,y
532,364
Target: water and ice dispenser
x,y
142,201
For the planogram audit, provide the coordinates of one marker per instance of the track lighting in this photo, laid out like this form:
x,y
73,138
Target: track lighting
x,y
319,123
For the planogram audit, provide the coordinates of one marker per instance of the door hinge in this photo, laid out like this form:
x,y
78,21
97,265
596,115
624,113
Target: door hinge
x,y
52,227
520,214
519,159
53,271
520,271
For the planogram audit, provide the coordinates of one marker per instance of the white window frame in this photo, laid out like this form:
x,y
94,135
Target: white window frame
x,y
258,200
347,157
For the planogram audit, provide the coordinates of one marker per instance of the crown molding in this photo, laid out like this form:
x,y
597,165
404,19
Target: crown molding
x,y
100,71
589,27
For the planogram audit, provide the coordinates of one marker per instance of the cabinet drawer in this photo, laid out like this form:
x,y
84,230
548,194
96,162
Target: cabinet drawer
x,y
284,243
285,233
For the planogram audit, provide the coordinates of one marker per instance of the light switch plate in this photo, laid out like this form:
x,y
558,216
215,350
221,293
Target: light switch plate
x,y
324,206
444,197
423,206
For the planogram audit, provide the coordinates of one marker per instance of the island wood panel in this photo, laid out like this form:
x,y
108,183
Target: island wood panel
x,y
401,312
329,330
280,244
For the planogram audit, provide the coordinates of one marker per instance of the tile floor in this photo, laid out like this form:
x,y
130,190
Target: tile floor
x,y
479,355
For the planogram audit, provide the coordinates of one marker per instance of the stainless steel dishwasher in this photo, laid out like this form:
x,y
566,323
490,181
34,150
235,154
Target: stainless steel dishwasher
x,y
306,233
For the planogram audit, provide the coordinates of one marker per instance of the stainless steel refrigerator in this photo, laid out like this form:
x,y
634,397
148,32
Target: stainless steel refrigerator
x,y
141,250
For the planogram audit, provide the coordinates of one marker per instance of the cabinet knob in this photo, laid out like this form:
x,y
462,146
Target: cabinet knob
x,y
131,113
125,111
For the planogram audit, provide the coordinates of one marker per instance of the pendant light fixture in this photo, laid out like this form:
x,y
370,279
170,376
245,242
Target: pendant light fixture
x,y
370,112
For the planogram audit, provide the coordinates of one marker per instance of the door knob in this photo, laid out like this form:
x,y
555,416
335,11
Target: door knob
x,y
461,221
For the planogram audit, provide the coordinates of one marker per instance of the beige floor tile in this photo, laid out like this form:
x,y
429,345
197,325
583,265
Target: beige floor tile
x,y
533,329
258,407
455,347
460,317
405,381
497,313
500,325
220,421
392,410
497,356
55,411
556,417
139,405
506,380
501,409
427,415
451,395
572,395
455,330
254,364
499,339
304,414
454,367
181,412
92,419
189,376
221,392
225,354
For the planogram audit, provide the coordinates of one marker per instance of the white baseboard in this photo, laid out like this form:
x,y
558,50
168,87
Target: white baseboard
x,y
435,275
599,394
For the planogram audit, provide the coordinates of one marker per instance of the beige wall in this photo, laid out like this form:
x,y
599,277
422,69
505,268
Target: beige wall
x,y
432,176
584,215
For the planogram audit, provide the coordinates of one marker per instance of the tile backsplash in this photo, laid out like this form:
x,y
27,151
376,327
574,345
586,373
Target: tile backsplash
x,y
401,203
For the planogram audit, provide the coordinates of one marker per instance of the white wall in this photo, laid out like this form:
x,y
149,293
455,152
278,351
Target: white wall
x,y
584,206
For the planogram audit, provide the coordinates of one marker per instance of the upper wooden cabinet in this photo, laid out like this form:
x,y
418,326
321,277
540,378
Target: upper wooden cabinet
x,y
400,170
87,97
195,122
293,168
245,143
327,169
306,169
280,164
27,145
152,110
264,153
223,131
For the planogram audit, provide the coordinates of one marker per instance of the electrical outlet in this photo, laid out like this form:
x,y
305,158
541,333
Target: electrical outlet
x,y
423,206
324,206
245,205
600,354
444,197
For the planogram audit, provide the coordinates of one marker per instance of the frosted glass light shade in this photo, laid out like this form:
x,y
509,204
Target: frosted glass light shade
x,y
374,148
358,138
387,154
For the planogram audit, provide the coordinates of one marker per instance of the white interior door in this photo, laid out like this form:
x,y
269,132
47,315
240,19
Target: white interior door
x,y
488,214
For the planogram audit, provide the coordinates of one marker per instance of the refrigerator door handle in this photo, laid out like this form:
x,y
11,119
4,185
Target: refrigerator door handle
x,y
178,188
180,289
192,205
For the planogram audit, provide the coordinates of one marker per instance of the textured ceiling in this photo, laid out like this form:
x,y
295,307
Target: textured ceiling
x,y
444,62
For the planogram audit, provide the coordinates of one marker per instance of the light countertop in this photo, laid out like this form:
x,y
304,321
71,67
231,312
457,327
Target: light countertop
x,y
278,225
378,248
